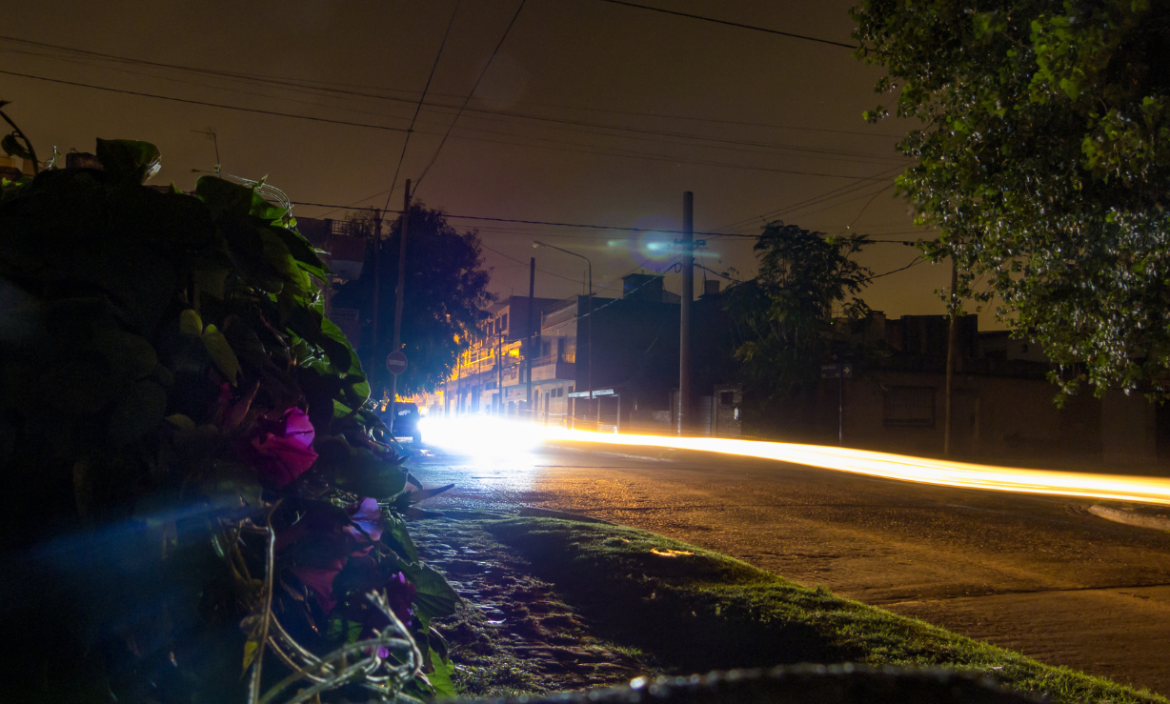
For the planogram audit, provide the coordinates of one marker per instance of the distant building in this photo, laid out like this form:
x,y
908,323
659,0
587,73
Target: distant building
x,y
491,376
344,254
1002,404
634,369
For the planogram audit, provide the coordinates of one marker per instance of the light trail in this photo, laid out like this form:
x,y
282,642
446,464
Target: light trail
x,y
921,470
479,435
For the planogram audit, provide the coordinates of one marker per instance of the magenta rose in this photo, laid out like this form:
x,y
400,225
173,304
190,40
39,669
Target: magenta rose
x,y
283,449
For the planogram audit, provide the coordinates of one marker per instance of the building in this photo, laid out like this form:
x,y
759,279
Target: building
x,y
344,254
1003,404
633,372
634,341
491,376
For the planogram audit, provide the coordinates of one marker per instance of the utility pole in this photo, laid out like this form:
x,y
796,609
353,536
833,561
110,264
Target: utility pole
x,y
528,348
398,289
841,405
688,294
952,341
500,373
589,334
373,361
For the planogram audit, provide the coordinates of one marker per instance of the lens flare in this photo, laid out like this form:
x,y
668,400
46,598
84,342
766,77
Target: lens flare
x,y
903,467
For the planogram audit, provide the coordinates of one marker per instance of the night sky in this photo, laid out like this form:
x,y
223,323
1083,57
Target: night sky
x,y
636,106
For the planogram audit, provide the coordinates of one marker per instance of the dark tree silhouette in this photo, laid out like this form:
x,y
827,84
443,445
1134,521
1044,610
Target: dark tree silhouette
x,y
444,299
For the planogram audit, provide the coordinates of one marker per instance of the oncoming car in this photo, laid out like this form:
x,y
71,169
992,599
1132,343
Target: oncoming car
x,y
406,418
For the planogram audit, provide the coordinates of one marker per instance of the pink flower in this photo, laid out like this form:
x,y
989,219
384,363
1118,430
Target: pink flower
x,y
366,515
282,449
320,580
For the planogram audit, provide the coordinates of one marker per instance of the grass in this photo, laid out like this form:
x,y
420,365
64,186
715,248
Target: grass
x,y
699,610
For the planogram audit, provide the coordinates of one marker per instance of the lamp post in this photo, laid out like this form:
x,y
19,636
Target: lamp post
x,y
589,323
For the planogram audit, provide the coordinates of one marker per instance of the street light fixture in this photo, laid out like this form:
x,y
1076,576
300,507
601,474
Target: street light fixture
x,y
589,325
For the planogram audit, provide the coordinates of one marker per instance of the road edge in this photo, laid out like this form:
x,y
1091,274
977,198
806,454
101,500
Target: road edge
x,y
1130,518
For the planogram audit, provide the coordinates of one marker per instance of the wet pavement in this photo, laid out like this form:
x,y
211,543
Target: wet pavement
x,y
1036,574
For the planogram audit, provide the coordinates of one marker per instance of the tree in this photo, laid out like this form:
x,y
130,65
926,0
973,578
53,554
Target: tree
x,y
1044,160
783,321
444,298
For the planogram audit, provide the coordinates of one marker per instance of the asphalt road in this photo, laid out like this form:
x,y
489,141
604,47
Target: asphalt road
x,y
1035,574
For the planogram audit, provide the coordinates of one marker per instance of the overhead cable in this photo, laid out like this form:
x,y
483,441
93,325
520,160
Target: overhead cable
x,y
790,35
470,94
589,226
204,103
418,107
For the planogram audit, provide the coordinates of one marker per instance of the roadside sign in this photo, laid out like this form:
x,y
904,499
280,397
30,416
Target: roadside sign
x,y
836,371
396,362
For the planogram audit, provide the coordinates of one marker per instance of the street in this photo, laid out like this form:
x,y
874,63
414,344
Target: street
x,y
1040,575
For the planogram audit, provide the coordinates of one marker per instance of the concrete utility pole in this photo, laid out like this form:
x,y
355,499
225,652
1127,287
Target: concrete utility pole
x,y
528,347
688,294
952,341
398,289
373,361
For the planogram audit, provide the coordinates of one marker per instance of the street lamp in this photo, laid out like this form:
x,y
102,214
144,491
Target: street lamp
x,y
589,324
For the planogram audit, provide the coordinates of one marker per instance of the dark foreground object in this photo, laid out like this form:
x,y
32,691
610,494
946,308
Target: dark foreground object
x,y
802,684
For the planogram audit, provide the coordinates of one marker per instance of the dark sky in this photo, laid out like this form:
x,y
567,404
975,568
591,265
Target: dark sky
x,y
639,107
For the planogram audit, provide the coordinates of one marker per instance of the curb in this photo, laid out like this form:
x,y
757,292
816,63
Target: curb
x,y
1131,518
530,512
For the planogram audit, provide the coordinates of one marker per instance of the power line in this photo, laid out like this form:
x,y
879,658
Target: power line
x,y
781,33
524,263
634,155
205,103
707,141
321,86
914,262
418,107
817,199
470,93
588,226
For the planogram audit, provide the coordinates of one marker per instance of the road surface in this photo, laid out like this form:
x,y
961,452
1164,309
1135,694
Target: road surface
x,y
1039,575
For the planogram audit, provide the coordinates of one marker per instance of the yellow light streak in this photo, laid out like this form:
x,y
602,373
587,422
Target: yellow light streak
x,y
921,470
499,438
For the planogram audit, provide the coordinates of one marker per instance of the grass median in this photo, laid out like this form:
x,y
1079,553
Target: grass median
x,y
698,610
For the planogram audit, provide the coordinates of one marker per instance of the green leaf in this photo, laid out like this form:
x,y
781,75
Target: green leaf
x,y
259,207
181,421
364,474
12,146
223,197
190,323
211,279
301,251
276,254
221,352
129,161
440,676
233,485
397,537
434,596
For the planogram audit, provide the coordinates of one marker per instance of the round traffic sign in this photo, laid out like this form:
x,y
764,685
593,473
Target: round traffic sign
x,y
396,362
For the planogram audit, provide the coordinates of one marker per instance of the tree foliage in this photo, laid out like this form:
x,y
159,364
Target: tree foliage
x,y
193,477
445,297
1044,159
783,321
